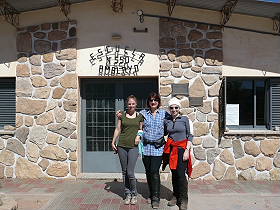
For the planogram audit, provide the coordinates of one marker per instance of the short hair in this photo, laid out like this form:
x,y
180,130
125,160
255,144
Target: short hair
x,y
131,97
155,96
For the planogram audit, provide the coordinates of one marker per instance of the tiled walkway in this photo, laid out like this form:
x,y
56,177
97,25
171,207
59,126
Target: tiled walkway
x,y
90,194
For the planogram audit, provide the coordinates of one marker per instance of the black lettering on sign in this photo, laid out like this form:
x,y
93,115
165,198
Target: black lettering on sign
x,y
136,68
92,59
117,61
108,61
133,55
118,48
107,71
99,54
125,50
128,70
126,61
108,49
100,70
141,59
123,69
121,60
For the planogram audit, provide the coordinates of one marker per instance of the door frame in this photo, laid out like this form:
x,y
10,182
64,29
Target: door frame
x,y
82,127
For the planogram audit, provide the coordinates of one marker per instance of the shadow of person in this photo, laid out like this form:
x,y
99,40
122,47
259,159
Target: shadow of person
x,y
117,188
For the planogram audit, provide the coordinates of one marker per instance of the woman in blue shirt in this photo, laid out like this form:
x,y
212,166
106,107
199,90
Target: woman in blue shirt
x,y
153,141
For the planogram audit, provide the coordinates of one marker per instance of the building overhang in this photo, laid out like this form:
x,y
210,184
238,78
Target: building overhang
x,y
11,9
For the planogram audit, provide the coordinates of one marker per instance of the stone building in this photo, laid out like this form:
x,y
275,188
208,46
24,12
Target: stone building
x,y
64,74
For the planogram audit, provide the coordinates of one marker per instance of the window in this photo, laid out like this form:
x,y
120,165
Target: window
x,y
7,102
252,103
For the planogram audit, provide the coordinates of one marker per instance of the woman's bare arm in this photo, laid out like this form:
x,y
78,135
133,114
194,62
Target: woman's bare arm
x,y
116,134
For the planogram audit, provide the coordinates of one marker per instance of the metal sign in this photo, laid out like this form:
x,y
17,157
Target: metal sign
x,y
116,61
180,89
196,101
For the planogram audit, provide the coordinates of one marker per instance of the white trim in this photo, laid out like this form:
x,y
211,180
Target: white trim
x,y
108,176
236,132
139,176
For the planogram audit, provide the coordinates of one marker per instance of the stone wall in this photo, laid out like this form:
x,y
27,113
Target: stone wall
x,y
45,139
250,157
192,53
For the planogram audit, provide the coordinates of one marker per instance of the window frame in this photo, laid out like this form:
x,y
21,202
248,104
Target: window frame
x,y
267,111
274,105
10,84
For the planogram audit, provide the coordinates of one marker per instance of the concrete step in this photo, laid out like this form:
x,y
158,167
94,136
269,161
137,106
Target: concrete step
x,y
7,203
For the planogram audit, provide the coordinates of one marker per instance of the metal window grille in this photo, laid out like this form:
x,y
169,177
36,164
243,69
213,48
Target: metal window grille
x,y
7,102
275,103
100,118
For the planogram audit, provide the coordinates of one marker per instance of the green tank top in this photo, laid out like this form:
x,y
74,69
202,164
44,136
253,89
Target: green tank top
x,y
129,127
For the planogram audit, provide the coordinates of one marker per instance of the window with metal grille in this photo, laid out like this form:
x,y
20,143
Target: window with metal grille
x,y
275,103
252,103
7,102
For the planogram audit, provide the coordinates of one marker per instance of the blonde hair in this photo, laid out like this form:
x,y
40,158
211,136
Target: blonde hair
x,y
131,97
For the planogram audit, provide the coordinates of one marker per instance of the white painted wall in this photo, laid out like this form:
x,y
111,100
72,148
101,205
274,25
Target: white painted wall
x,y
7,49
95,29
250,54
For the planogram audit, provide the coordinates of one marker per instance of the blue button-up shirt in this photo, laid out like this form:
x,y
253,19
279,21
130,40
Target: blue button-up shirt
x,y
153,130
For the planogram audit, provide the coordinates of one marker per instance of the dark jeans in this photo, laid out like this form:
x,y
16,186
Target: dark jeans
x,y
152,165
128,158
179,181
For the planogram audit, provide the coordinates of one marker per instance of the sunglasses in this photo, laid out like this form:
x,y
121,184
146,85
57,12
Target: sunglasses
x,y
153,99
174,107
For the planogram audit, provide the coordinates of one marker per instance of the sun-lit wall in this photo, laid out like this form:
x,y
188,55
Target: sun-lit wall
x,y
97,23
250,54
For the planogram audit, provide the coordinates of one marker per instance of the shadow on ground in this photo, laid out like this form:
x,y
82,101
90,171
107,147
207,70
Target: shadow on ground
x,y
117,188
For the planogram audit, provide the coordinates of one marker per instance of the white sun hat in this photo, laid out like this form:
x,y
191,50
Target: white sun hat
x,y
174,101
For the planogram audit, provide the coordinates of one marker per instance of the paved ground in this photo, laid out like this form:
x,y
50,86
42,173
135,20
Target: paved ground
x,y
90,194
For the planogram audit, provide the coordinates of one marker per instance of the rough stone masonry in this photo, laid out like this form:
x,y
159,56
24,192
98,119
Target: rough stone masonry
x,y
45,140
191,53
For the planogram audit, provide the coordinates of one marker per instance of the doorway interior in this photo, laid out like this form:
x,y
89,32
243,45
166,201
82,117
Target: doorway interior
x,y
101,98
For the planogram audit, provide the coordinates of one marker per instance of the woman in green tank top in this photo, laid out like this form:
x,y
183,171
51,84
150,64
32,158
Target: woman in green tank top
x,y
127,148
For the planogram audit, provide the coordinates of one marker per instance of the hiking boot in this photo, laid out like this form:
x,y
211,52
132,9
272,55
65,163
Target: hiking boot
x,y
183,205
155,204
133,200
127,200
172,202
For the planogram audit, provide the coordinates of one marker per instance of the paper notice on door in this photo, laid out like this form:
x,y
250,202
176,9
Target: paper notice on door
x,y
232,114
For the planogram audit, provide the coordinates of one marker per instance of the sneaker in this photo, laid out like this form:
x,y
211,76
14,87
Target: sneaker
x,y
127,200
155,204
172,202
133,200
183,205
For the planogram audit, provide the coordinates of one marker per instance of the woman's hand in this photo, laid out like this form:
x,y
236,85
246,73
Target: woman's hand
x,y
119,114
186,155
114,147
137,140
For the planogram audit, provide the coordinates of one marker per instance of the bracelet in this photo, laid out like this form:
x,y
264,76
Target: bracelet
x,y
140,133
